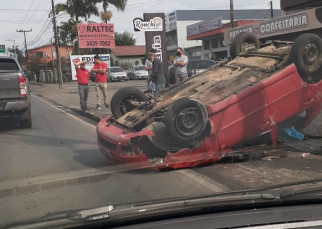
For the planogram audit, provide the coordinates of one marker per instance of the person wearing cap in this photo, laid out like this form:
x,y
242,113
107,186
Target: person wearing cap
x,y
100,68
82,75
148,67
157,75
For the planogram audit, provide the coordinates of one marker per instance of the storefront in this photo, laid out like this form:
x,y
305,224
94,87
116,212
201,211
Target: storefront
x,y
211,34
287,28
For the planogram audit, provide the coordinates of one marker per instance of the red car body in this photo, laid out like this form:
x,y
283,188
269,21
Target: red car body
x,y
245,115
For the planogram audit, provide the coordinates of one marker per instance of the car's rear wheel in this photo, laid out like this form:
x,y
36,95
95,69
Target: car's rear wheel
x,y
306,54
123,100
186,119
26,119
241,40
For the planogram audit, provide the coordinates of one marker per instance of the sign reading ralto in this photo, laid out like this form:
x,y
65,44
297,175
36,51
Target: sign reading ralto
x,y
96,35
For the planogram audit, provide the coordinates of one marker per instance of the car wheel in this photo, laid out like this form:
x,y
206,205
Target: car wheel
x,y
306,54
120,103
27,121
187,119
238,43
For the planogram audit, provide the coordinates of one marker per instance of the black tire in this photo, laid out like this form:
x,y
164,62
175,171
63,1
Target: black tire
x,y
306,54
238,42
26,123
178,119
119,107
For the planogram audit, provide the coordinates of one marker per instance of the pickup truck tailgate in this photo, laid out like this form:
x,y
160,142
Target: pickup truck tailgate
x,y
9,84
9,79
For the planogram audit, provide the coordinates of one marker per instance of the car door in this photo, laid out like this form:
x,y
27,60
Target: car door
x,y
246,117
287,96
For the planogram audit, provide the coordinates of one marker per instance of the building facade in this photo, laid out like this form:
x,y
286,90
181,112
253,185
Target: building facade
x,y
176,23
127,56
46,53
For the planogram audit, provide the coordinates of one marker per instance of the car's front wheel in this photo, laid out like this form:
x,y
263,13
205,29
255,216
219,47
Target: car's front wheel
x,y
26,119
125,100
187,119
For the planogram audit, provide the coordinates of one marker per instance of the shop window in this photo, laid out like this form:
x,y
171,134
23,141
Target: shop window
x,y
214,43
206,45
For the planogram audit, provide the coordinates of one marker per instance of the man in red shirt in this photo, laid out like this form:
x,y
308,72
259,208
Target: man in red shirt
x,y
100,68
83,87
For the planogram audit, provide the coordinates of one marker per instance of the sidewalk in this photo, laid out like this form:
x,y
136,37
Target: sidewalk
x,y
68,97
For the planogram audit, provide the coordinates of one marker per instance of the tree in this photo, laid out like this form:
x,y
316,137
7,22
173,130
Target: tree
x,y
106,15
19,55
123,39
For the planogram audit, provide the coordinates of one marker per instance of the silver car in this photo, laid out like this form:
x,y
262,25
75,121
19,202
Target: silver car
x,y
117,74
139,72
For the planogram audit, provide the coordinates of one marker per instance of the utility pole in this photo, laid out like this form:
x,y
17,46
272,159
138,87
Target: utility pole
x,y
24,33
60,80
232,13
272,12
52,57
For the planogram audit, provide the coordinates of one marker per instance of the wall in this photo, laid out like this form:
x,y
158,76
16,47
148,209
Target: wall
x,y
127,59
182,35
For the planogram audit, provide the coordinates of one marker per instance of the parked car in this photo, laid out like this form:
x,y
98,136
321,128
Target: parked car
x,y
14,92
262,91
92,76
138,72
117,74
197,66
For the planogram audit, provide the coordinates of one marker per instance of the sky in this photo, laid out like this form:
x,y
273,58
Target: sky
x,y
33,15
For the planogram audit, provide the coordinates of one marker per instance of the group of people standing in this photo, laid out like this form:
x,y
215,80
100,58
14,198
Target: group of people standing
x,y
156,81
156,71
82,75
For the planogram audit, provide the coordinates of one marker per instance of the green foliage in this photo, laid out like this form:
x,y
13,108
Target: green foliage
x,y
123,39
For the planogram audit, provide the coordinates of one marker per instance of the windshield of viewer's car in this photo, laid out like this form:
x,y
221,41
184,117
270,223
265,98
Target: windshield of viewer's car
x,y
117,70
74,138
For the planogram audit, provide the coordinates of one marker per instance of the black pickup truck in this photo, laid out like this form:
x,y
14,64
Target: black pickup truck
x,y
14,92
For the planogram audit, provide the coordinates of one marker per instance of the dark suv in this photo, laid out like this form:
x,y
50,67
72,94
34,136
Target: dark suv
x,y
14,91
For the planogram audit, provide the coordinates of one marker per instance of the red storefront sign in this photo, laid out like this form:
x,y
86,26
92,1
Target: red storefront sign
x,y
96,35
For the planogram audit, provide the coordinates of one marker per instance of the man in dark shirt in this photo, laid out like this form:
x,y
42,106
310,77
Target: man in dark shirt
x,y
157,75
83,87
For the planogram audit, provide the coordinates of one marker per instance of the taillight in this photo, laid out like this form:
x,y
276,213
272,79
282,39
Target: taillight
x,y
22,86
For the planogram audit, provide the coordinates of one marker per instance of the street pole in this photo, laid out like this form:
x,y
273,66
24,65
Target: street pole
x,y
52,57
272,12
24,33
60,80
232,13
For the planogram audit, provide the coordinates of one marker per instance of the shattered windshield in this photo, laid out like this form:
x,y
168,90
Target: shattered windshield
x,y
240,108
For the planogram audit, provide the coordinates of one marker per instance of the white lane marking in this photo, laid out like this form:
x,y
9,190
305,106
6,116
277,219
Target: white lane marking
x,y
73,116
205,181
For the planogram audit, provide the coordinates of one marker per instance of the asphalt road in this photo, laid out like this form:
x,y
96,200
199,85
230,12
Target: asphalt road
x,y
56,166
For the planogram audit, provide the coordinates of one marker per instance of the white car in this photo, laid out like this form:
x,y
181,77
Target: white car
x,y
139,72
117,74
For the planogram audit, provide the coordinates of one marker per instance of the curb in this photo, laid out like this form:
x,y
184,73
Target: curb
x,y
86,114
89,115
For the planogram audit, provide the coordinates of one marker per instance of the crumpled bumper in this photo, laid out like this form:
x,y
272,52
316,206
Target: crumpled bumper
x,y
115,144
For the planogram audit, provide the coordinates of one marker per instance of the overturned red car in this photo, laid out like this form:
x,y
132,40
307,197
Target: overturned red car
x,y
262,90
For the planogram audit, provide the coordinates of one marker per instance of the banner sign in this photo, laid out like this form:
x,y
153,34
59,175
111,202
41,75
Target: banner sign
x,y
154,24
89,62
157,39
204,26
96,35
